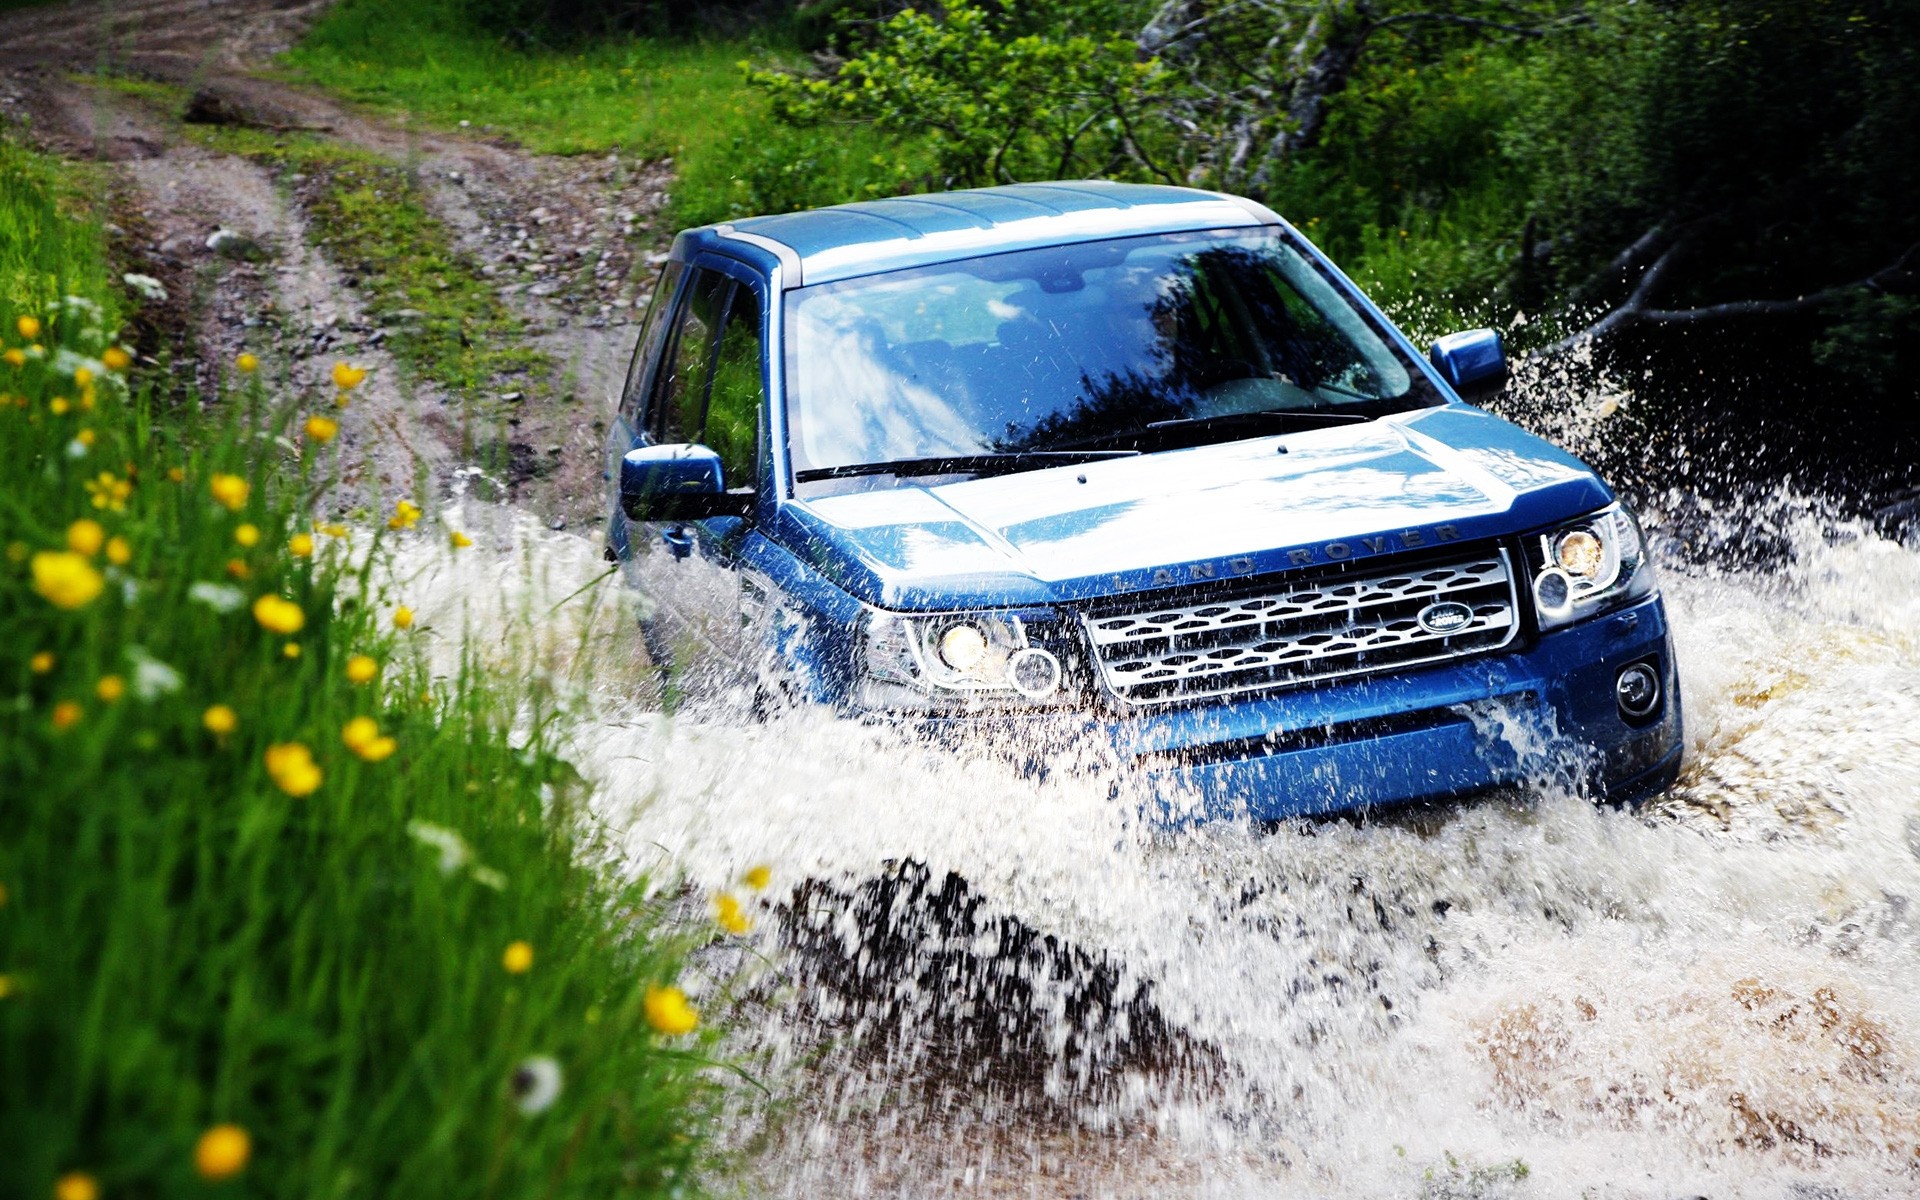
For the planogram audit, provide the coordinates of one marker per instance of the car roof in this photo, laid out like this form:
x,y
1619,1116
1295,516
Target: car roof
x,y
847,240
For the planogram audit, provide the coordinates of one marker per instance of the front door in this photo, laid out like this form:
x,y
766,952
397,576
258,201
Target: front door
x,y
702,381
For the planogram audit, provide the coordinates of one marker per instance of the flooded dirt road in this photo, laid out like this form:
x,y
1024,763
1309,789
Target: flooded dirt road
x,y
970,980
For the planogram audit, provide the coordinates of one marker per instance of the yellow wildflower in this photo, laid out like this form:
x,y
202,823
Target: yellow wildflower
x,y
82,377
347,377
222,1152
109,491
518,958
29,327
76,1185
668,1011
361,669
247,363
58,406
362,736
238,569
220,720
67,714
459,540
85,537
116,358
403,617
333,531
110,688
15,357
730,915
86,437
247,534
119,551
41,663
66,579
405,513
300,545
230,490
758,877
177,474
278,615
322,429
292,768
291,650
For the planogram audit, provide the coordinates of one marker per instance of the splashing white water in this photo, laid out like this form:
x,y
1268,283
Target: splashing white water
x,y
1524,995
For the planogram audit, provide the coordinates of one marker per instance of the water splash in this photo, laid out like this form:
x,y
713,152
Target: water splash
x,y
990,981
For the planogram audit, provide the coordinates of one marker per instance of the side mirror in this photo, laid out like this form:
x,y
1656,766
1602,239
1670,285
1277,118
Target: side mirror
x,y
678,483
1474,362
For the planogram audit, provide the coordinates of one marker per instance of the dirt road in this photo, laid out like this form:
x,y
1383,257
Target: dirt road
x,y
568,244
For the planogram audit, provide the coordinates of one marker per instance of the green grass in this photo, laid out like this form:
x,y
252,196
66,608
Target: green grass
x,y
49,248
650,98
185,942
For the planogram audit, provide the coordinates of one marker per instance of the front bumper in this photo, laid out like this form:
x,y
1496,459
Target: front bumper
x,y
1543,713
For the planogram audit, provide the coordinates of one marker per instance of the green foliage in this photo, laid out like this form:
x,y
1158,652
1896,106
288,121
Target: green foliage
x,y
988,108
1410,191
184,940
1745,115
47,249
570,21
655,99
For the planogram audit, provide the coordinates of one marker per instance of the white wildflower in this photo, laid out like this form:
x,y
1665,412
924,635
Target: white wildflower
x,y
220,597
152,678
454,851
536,1084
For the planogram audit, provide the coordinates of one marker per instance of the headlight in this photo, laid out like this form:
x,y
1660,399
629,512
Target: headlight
x,y
958,661
1589,566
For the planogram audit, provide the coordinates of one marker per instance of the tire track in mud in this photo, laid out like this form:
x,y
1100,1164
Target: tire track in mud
x,y
569,245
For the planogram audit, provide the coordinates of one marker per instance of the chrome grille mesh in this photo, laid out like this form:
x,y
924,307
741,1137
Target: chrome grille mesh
x,y
1358,622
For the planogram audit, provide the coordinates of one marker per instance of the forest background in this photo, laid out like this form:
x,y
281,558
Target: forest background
x,y
1708,202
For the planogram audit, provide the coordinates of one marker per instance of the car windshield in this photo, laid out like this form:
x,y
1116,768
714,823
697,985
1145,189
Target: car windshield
x,y
1127,345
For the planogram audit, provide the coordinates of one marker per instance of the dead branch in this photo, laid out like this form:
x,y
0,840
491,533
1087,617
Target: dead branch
x,y
1635,310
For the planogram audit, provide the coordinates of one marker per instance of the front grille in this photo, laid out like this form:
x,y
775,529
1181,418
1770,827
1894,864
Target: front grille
x,y
1363,620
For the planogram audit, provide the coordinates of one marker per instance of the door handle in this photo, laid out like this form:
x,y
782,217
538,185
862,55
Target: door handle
x,y
679,540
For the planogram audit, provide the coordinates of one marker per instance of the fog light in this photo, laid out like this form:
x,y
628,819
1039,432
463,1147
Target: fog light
x,y
962,647
1034,673
1553,592
1637,690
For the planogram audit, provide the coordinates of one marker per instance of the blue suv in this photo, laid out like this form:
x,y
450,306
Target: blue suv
x,y
1137,463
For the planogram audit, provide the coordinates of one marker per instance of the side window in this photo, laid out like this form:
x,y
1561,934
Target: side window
x,y
680,397
733,411
652,333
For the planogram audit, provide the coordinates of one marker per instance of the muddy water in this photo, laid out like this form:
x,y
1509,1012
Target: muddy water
x,y
977,981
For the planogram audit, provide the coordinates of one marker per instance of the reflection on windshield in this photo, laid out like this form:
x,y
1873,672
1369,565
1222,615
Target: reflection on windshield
x,y
1077,346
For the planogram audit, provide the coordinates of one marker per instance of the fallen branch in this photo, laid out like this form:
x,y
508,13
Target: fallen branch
x,y
1635,310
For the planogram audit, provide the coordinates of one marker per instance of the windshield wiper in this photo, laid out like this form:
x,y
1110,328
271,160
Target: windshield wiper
x,y
1263,418
963,464
1194,431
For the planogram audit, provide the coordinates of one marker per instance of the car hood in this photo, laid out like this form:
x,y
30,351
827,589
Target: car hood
x,y
1408,482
